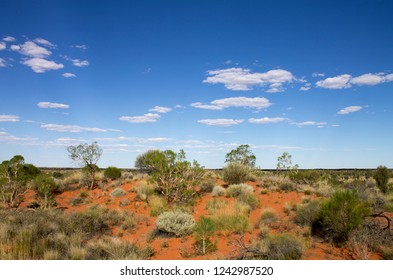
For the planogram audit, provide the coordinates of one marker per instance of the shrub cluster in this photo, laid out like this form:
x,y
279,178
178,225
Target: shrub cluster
x,y
236,173
112,173
175,222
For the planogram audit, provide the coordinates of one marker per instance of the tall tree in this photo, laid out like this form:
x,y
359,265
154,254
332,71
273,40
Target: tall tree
x,y
242,155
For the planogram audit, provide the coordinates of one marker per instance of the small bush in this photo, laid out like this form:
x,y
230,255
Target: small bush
x,y
218,191
283,247
381,177
212,206
231,221
157,205
207,186
267,216
118,192
237,189
287,186
76,201
236,173
203,231
308,213
112,173
339,215
250,199
176,222
144,190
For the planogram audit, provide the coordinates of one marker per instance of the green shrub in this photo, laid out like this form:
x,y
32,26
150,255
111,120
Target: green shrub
x,y
157,205
231,222
381,176
203,231
283,247
46,188
218,191
118,192
176,222
212,206
207,186
238,189
288,186
250,199
268,215
339,215
236,173
308,213
112,173
144,190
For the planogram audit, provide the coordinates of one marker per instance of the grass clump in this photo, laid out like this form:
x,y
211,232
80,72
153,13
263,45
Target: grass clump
x,y
112,173
176,222
118,192
157,205
308,213
203,232
144,190
268,216
282,247
236,173
249,199
237,189
218,191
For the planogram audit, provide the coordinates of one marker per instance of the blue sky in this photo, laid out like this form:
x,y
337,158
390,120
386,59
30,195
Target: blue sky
x,y
312,78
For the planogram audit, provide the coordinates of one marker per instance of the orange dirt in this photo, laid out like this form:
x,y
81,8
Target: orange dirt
x,y
174,248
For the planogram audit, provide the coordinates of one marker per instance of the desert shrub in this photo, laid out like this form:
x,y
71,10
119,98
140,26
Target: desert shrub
x,y
207,186
238,189
250,199
218,191
118,192
283,247
387,253
176,222
339,215
236,173
157,205
144,190
268,215
112,173
215,204
46,188
288,186
307,177
124,202
230,220
203,231
381,176
77,201
242,208
308,213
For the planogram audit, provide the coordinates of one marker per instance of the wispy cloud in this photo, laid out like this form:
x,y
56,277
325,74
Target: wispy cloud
x,y
9,118
68,75
3,46
306,87
82,47
31,49
160,109
80,63
2,62
349,109
51,105
346,80
267,120
243,79
310,123
241,101
41,65
316,74
220,122
146,118
71,128
9,39
44,42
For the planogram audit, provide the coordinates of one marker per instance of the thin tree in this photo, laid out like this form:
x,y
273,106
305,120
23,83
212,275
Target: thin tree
x,y
87,156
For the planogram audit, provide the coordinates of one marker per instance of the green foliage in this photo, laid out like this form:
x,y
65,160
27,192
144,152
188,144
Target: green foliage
x,y
236,173
87,156
112,173
176,222
339,215
267,216
382,176
241,155
213,205
283,247
231,222
174,175
118,192
14,177
46,188
249,199
157,205
308,213
144,190
284,163
307,177
218,191
203,231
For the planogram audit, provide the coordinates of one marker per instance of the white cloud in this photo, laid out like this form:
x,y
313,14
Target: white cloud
x,y
44,43
266,120
68,75
146,118
306,87
9,39
241,101
350,109
346,80
3,46
9,118
310,123
51,105
80,63
160,109
40,65
338,82
71,128
31,49
244,79
220,122
316,74
200,105
368,79
82,47
2,62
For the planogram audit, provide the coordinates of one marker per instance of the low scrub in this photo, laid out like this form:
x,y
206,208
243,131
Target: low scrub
x,y
218,191
144,190
112,173
236,173
157,205
175,222
282,247
118,192
237,189
308,213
